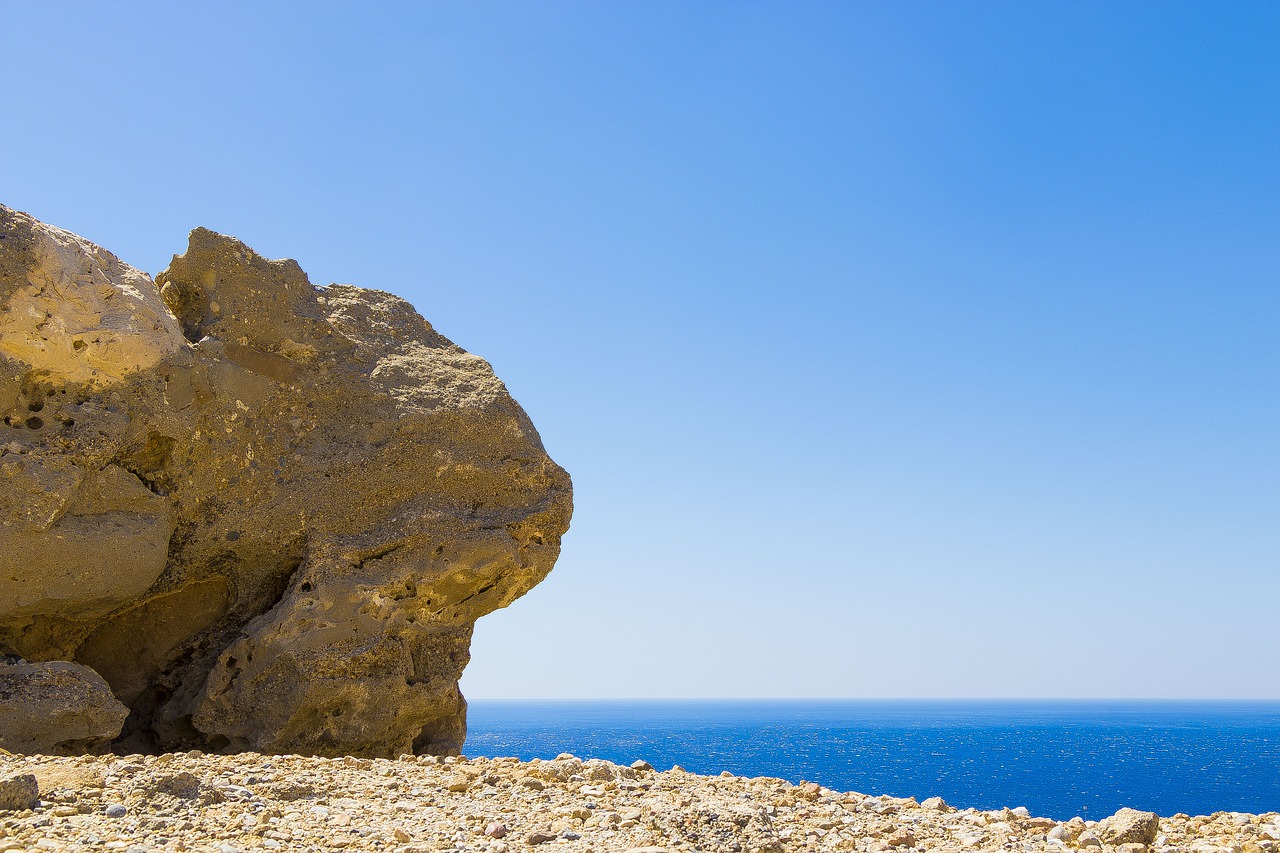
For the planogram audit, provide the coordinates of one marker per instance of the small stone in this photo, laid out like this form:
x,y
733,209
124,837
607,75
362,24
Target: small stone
x,y
539,837
496,829
19,793
1131,847
182,784
809,790
902,838
400,835
642,766
936,804
115,810
1088,838
1021,811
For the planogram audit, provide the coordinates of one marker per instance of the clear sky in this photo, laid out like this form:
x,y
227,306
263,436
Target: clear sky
x,y
895,349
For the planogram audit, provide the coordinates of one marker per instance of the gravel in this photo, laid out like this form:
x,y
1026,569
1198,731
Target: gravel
x,y
246,802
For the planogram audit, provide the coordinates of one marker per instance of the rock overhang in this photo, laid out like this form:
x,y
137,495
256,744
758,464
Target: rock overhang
x,y
330,492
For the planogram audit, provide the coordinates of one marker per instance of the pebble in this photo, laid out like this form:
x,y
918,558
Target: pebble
x,y
902,838
115,810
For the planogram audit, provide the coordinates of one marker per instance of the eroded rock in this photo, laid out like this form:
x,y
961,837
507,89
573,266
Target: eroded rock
x,y
56,708
267,513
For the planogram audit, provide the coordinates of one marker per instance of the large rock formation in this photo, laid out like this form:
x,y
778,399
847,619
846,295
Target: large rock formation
x,y
267,513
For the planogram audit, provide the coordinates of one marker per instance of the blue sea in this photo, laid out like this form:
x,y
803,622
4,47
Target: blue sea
x,y
1057,758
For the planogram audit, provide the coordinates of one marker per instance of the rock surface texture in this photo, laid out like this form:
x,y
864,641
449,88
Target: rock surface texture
x,y
240,803
268,514
1129,826
57,708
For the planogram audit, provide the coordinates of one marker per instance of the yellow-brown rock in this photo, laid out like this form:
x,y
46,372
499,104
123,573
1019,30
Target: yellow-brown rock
x,y
267,513
57,708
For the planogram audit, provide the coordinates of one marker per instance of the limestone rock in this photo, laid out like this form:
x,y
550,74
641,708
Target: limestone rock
x,y
74,311
56,708
19,793
267,513
1089,838
1129,826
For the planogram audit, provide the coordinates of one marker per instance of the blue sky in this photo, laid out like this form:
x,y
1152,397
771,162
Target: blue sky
x,y
896,349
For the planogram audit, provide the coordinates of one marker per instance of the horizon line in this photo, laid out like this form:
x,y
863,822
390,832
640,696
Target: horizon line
x,y
1273,699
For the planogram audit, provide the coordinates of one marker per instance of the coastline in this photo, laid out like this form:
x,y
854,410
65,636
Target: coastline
x,y
1058,758
229,803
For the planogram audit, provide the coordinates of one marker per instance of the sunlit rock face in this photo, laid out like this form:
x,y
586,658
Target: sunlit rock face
x,y
267,514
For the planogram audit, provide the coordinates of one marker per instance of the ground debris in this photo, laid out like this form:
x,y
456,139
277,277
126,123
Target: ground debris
x,y
248,802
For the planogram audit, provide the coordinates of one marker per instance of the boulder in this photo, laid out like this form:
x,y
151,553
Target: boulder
x,y
268,514
1129,826
56,708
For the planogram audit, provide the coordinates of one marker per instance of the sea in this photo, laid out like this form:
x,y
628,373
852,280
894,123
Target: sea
x,y
1059,759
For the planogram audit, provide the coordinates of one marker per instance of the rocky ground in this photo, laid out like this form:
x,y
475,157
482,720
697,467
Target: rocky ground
x,y
198,802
